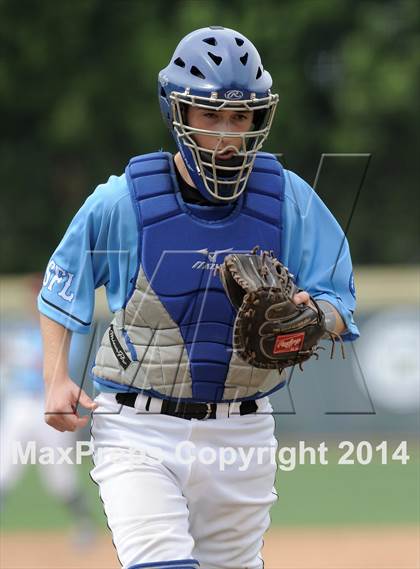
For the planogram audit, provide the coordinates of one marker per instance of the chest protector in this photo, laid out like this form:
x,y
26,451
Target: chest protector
x,y
173,337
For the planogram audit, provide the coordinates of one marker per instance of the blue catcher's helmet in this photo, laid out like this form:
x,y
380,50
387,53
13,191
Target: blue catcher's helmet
x,y
218,69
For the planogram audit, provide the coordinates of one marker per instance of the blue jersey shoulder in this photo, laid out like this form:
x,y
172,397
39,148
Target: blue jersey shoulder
x,y
106,196
87,255
297,191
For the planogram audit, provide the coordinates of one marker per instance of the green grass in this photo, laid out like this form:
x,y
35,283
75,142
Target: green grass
x,y
308,495
355,494
30,507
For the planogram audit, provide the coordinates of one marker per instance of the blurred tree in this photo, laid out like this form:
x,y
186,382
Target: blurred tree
x,y
78,98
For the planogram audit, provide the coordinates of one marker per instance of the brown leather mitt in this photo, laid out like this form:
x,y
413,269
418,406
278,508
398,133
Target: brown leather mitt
x,y
270,330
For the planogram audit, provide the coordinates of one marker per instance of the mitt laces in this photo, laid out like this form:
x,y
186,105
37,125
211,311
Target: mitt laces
x,y
334,337
282,272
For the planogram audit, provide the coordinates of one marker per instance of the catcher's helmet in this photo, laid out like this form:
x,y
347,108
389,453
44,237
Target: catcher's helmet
x,y
217,68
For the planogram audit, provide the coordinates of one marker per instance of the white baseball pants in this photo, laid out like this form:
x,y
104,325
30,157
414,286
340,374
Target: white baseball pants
x,y
184,494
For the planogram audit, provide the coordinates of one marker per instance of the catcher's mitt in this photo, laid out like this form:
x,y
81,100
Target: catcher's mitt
x,y
270,330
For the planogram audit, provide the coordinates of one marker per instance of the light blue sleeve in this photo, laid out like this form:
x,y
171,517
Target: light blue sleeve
x,y
316,250
98,248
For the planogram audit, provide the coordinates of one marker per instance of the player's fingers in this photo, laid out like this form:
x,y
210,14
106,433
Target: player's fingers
x,y
82,421
65,419
54,422
59,421
86,401
301,297
71,423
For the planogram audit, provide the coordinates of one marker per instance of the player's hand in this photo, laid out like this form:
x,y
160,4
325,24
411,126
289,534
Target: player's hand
x,y
61,402
303,297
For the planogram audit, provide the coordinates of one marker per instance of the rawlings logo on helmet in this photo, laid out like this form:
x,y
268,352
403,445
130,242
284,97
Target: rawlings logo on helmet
x,y
234,94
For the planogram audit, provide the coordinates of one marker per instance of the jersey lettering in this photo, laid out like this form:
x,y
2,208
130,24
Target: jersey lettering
x,y
56,275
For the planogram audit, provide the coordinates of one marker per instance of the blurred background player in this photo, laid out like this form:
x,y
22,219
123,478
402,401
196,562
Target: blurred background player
x,y
22,421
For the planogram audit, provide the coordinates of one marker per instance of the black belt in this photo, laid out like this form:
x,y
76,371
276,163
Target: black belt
x,y
185,409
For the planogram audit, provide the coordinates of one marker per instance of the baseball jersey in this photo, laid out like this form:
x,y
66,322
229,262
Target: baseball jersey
x,y
101,247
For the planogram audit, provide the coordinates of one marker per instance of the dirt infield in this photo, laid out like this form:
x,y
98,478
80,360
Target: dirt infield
x,y
345,548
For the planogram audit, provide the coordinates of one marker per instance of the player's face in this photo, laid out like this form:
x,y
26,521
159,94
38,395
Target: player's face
x,y
220,121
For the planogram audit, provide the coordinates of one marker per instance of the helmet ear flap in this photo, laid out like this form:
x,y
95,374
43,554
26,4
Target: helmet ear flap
x,y
165,105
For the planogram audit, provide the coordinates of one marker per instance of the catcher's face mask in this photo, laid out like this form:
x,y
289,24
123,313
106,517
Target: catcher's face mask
x,y
217,69
223,158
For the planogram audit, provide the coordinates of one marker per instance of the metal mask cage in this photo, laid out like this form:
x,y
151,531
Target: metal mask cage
x,y
219,179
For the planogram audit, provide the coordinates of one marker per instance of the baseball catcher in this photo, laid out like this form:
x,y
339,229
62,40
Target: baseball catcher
x,y
164,372
270,330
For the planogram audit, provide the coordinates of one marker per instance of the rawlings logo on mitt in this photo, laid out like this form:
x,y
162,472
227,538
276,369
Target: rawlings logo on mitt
x,y
270,330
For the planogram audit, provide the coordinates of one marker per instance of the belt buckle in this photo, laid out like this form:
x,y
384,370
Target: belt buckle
x,y
208,413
